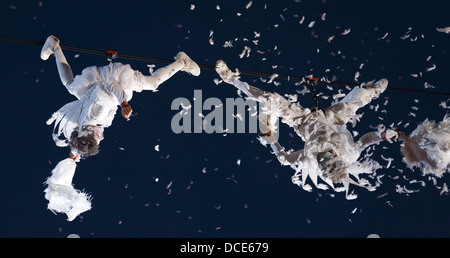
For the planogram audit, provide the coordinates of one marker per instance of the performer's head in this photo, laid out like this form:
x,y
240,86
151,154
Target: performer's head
x,y
333,167
85,143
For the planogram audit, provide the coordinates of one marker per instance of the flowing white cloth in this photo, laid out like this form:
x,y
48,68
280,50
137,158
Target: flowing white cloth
x,y
61,195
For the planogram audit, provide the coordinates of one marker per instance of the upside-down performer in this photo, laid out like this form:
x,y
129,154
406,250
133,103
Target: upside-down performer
x,y
80,123
330,153
428,147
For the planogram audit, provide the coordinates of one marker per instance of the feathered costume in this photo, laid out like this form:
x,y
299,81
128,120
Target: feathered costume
x,y
428,147
322,131
99,91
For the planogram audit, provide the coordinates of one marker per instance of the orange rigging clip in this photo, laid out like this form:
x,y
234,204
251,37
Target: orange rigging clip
x,y
111,54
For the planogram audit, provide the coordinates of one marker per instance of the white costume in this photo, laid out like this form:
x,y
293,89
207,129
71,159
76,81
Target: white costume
x,y
322,131
428,147
99,90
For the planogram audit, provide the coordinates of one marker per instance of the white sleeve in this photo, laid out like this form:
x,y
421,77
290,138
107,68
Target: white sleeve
x,y
286,158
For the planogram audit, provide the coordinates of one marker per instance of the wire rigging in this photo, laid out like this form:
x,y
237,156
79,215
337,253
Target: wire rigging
x,y
112,54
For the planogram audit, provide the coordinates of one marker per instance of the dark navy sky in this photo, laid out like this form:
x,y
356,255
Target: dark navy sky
x,y
193,187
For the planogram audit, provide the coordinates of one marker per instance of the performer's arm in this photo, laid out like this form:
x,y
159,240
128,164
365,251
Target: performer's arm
x,y
376,137
283,157
116,90
74,157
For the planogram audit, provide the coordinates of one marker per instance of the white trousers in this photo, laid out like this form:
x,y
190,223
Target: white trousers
x,y
357,98
147,83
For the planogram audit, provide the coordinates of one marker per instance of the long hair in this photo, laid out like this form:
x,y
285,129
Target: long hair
x,y
412,152
333,168
85,145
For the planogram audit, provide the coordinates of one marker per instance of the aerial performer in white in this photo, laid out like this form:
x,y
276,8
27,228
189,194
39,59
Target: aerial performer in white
x,y
428,147
330,152
80,124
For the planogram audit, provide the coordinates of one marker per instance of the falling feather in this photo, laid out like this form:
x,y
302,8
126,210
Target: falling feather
x,y
444,105
389,160
445,30
428,86
357,74
245,52
211,41
228,44
347,31
385,35
431,68
272,77
302,20
330,38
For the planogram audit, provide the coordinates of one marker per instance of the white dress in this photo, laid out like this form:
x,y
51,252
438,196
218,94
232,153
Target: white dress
x,y
99,91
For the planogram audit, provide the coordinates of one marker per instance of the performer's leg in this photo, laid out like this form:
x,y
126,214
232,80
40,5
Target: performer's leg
x,y
252,92
356,99
182,63
64,70
273,106
161,75
52,46
231,78
361,96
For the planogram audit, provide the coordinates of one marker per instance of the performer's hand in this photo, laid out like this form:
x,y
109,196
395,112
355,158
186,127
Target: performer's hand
x,y
390,135
76,158
270,136
126,110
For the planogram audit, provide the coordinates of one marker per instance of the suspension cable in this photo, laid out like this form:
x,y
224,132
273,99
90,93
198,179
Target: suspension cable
x,y
211,67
